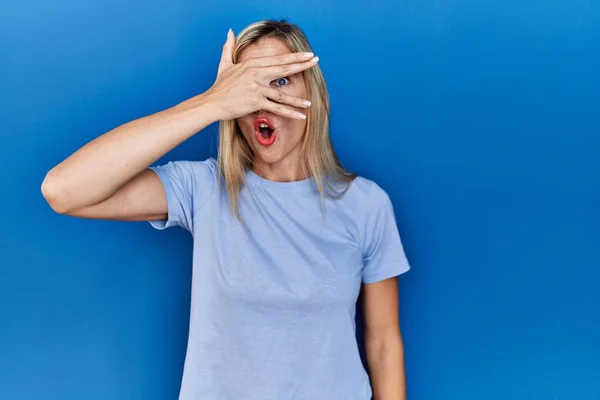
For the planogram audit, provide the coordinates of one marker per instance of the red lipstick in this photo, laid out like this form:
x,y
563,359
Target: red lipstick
x,y
264,131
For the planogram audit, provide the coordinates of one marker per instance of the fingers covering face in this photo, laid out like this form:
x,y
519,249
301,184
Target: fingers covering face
x,y
283,98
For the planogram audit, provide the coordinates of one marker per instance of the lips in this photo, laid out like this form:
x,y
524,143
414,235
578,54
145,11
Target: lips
x,y
264,131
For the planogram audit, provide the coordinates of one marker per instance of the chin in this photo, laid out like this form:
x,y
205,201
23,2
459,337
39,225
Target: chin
x,y
270,139
267,155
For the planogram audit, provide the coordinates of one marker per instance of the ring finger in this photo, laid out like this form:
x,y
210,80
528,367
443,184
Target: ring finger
x,y
282,98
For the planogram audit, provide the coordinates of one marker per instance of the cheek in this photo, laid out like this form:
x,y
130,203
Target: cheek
x,y
296,90
246,125
296,130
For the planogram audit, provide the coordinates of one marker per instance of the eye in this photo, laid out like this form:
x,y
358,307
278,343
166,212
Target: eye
x,y
282,81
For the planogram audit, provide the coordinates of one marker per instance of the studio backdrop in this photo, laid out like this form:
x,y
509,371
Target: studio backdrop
x,y
481,119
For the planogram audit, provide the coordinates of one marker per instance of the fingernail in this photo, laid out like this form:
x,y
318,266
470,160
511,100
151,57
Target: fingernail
x,y
301,116
306,102
308,55
314,60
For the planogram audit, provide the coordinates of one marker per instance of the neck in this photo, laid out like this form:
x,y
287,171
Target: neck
x,y
282,171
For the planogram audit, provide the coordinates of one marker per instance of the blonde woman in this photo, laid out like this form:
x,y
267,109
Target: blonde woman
x,y
284,238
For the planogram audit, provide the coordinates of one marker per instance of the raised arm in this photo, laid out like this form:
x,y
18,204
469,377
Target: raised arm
x,y
108,178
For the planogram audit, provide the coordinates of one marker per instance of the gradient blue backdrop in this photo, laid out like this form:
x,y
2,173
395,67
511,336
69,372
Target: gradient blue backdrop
x,y
480,118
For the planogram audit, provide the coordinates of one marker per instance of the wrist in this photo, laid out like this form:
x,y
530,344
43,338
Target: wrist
x,y
203,109
211,105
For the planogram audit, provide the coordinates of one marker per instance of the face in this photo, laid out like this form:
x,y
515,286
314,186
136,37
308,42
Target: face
x,y
279,149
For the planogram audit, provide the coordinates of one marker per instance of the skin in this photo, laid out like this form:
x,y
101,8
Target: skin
x,y
383,340
108,177
281,160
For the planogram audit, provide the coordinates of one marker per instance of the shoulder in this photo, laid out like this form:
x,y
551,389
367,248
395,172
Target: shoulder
x,y
367,205
192,165
190,170
188,179
368,193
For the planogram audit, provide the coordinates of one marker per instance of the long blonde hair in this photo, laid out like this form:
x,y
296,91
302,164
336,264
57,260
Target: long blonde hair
x,y
318,156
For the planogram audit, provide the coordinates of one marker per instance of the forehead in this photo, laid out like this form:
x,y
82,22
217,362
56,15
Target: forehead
x,y
264,48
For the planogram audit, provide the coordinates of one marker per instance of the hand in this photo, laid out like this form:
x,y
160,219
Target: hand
x,y
243,88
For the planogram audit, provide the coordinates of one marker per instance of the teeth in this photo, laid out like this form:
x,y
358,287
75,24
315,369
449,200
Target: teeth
x,y
263,125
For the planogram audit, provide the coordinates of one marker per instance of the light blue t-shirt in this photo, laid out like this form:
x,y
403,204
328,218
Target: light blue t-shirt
x,y
273,302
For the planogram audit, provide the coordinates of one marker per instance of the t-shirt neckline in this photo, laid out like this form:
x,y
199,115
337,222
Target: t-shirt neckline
x,y
295,186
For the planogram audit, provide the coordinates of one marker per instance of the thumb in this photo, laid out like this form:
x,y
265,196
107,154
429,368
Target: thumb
x,y
227,53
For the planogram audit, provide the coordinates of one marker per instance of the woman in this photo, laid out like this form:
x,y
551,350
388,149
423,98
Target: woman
x,y
284,237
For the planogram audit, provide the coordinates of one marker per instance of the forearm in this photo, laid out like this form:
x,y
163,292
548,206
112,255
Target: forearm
x,y
97,170
386,365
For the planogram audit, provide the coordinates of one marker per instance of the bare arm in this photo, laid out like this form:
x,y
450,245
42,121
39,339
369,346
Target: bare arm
x,y
108,178
383,340
84,183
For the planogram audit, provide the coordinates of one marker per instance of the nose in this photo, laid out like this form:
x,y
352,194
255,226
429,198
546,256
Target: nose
x,y
265,114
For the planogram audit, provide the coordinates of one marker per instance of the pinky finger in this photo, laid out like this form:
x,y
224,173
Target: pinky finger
x,y
279,109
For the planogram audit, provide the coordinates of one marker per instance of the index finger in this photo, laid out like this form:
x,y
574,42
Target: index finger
x,y
281,59
227,52
279,71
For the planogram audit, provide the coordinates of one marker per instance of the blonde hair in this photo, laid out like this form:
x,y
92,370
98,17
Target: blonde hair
x,y
319,159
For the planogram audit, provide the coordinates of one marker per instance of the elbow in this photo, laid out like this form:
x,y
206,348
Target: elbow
x,y
55,195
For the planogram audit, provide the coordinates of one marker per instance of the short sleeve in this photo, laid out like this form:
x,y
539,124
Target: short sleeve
x,y
187,186
383,251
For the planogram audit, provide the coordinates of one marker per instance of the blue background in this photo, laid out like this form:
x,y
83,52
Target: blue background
x,y
480,119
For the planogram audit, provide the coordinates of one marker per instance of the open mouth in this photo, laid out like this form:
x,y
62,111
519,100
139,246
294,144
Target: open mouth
x,y
265,131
